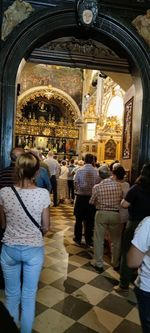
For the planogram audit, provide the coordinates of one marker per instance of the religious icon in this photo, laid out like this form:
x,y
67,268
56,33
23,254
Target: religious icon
x,y
127,130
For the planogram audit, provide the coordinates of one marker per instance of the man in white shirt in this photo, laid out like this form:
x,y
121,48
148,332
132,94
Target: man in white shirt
x,y
139,257
54,168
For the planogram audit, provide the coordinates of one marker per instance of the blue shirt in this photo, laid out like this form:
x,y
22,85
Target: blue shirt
x,y
43,180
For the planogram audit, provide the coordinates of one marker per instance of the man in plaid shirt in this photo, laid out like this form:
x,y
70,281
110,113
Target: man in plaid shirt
x,y
106,196
85,178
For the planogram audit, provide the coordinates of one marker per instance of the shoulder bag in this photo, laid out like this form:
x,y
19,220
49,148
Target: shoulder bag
x,y
25,209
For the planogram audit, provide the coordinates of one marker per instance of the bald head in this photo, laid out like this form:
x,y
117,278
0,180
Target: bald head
x,y
15,152
50,154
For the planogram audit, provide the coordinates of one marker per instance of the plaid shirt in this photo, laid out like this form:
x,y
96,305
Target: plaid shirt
x,y
107,195
85,178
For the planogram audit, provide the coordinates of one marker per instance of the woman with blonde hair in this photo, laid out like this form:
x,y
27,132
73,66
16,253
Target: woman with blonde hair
x,y
24,210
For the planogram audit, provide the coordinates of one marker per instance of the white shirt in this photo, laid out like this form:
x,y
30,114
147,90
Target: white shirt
x,y
20,230
141,241
53,166
64,172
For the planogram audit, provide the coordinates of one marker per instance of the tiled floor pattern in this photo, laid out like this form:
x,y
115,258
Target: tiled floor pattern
x,y
72,297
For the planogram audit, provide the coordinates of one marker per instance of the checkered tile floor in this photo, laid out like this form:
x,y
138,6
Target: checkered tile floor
x,y
72,297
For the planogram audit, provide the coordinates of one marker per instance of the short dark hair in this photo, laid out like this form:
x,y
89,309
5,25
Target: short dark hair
x,y
89,158
144,178
15,152
111,165
119,172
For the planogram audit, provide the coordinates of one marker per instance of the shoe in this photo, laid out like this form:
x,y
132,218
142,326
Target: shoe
x,y
97,269
121,291
76,241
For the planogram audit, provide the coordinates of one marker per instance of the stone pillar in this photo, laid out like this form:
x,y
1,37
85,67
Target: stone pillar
x,y
99,96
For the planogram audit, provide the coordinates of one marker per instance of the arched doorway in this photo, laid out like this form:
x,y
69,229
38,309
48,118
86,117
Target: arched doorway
x,y
45,118
62,21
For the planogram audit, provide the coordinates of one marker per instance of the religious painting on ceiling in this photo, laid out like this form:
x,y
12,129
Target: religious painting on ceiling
x,y
127,130
69,80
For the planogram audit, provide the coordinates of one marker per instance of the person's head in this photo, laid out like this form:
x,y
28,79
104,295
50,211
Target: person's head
x,y
76,162
80,162
50,153
148,13
144,178
111,165
94,160
89,159
97,165
72,161
63,162
27,165
118,171
15,152
55,157
104,171
34,152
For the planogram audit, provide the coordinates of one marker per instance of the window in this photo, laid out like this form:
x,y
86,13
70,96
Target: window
x,y
91,130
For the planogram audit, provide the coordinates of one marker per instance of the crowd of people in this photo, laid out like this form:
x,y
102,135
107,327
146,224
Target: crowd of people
x,y
105,206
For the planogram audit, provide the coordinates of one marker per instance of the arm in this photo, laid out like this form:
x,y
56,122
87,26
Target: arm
x,y
93,198
46,219
125,204
47,180
76,181
2,218
134,257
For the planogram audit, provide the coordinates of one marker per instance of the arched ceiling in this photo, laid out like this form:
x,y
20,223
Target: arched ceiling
x,y
81,53
59,99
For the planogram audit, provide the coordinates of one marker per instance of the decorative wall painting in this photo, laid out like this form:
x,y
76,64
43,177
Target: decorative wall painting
x,y
87,148
110,150
127,130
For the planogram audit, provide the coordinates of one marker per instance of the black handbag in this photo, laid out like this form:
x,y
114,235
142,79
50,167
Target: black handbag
x,y
25,209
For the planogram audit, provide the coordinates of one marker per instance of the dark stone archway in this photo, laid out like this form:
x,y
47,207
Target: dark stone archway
x,y
50,24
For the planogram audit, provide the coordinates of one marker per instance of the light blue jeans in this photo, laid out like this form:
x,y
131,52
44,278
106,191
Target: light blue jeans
x,y
30,261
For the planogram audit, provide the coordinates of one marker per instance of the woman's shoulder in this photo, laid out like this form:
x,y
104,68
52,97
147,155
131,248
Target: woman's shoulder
x,y
5,189
42,190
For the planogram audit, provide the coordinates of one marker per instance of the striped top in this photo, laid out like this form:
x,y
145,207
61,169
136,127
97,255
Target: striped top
x,y
7,176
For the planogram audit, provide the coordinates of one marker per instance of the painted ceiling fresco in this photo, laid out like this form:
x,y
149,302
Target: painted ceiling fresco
x,y
70,80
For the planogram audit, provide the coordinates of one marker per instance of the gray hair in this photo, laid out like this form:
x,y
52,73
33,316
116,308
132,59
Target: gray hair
x,y
104,171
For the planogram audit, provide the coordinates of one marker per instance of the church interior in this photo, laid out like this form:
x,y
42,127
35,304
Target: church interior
x,y
77,87
74,109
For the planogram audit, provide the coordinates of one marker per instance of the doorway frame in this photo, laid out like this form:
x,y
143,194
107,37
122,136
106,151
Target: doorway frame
x,y
62,21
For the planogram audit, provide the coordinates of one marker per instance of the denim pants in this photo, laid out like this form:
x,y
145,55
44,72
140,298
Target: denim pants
x,y
143,298
29,260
